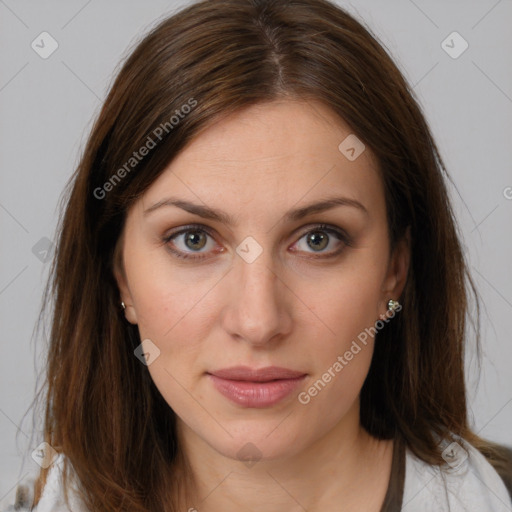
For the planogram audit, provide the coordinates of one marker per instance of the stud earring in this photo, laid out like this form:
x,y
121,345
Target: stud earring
x,y
123,305
393,305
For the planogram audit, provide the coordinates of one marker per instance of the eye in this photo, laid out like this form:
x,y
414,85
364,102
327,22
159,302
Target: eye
x,y
322,237
189,242
191,238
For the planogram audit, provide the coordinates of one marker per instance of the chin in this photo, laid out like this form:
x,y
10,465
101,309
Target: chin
x,y
257,441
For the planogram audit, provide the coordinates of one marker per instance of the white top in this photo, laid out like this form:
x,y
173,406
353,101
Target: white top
x,y
467,483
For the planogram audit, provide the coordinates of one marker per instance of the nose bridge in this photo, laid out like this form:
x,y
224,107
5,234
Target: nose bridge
x,y
255,261
257,309
256,278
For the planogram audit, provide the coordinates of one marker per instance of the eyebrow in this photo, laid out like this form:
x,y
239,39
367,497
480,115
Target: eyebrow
x,y
221,216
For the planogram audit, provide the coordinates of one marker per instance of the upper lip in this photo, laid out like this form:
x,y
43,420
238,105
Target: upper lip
x,y
256,374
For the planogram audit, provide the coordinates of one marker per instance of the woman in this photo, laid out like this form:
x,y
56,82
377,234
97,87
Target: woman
x,y
260,294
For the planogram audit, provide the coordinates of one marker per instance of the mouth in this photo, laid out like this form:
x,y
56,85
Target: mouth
x,y
256,388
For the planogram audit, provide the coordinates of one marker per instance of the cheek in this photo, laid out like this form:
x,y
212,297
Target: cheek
x,y
171,311
340,361
346,310
346,302
166,297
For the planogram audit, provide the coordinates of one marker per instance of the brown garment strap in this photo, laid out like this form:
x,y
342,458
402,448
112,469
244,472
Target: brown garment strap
x,y
505,470
395,492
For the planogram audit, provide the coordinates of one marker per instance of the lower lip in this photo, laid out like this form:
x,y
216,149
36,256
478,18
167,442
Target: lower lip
x,y
256,394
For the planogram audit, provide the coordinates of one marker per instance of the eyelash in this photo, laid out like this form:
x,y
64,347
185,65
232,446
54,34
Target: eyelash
x,y
341,235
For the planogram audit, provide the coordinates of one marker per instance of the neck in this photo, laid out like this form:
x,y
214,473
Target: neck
x,y
341,467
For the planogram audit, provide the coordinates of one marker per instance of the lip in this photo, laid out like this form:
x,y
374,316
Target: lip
x,y
256,387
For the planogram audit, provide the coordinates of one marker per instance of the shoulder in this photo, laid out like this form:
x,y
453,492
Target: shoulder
x,y
466,482
52,498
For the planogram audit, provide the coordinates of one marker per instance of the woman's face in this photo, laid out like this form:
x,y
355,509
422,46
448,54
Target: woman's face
x,y
261,283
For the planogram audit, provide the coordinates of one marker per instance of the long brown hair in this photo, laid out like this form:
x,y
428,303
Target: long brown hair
x,y
102,409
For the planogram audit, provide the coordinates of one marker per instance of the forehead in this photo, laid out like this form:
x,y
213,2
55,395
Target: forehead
x,y
281,153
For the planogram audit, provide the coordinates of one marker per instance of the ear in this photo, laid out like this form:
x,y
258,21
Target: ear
x,y
122,283
396,277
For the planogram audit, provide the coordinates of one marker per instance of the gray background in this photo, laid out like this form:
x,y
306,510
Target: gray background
x,y
47,106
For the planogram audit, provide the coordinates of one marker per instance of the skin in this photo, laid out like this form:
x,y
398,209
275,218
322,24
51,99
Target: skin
x,y
286,308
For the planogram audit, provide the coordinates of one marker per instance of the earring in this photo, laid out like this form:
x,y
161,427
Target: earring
x,y
123,305
393,305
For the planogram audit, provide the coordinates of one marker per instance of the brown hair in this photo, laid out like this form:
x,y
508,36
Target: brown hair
x,y
218,56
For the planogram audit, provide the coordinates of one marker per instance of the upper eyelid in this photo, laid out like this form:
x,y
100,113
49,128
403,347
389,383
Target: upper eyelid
x,y
311,227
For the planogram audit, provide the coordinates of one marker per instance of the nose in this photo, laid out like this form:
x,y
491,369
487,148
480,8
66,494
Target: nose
x,y
258,309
